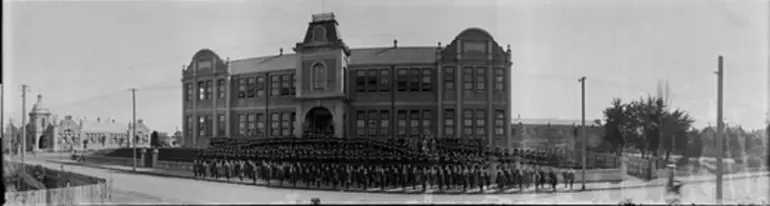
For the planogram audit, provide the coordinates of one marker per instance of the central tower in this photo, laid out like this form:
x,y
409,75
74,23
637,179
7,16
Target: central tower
x,y
322,59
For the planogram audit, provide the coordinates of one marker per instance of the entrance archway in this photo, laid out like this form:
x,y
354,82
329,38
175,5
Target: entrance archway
x,y
319,121
42,142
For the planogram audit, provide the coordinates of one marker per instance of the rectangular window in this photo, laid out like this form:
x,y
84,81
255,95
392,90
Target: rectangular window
x,y
499,79
384,123
242,131
285,82
188,92
481,117
361,123
427,80
371,125
275,85
414,80
293,87
251,125
499,122
201,126
221,124
384,80
260,87
468,122
260,131
449,122
293,122
468,78
427,118
481,76
201,90
414,122
221,89
371,81
241,87
401,79
250,87
449,78
360,81
286,124
401,122
275,124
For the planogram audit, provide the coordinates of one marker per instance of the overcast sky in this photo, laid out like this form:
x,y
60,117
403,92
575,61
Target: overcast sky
x,y
82,57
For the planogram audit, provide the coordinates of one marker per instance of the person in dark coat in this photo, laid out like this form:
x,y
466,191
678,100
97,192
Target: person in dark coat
x,y
554,179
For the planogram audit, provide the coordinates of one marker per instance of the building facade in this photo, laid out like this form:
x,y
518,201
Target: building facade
x,y
47,133
461,89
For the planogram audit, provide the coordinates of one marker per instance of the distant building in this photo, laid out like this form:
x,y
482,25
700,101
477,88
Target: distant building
x,y
553,133
46,132
460,89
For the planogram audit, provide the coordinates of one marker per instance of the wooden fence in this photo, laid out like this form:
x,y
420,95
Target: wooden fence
x,y
64,188
98,194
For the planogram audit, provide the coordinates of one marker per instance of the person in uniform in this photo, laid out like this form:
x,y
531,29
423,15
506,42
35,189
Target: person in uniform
x,y
553,179
465,175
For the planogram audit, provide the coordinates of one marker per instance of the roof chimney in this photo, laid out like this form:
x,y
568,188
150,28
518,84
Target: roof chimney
x,y
439,44
281,52
68,117
139,121
395,43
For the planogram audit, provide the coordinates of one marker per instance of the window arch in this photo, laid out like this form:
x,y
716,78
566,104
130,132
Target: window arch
x,y
319,33
318,73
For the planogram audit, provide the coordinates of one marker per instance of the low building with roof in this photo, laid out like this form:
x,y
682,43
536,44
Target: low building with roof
x,y
48,133
554,133
460,89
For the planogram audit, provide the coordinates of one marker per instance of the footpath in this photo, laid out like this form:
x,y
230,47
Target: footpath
x,y
561,188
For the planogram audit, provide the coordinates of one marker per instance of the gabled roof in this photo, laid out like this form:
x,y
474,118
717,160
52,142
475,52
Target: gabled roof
x,y
263,64
383,55
108,127
390,55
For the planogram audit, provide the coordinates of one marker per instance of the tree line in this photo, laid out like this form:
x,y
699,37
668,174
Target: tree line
x,y
642,124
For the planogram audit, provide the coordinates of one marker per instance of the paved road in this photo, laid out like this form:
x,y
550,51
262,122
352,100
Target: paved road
x,y
151,189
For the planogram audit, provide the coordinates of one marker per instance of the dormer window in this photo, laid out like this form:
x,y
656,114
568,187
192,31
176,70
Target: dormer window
x,y
319,33
319,75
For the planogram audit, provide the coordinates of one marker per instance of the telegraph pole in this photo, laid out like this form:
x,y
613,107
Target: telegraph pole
x,y
23,128
133,125
582,81
6,141
720,129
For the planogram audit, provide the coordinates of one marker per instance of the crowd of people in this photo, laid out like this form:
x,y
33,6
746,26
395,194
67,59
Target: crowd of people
x,y
422,163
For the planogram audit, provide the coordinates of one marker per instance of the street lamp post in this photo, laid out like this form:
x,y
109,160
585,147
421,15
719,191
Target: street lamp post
x,y
582,81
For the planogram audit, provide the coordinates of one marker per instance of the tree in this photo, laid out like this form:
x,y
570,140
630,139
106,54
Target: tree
x,y
615,119
644,123
154,142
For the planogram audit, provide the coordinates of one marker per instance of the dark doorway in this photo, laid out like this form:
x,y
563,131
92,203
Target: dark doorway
x,y
319,121
42,143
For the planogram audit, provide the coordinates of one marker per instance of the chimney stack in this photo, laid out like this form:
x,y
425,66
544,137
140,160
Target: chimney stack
x,y
395,43
281,52
439,45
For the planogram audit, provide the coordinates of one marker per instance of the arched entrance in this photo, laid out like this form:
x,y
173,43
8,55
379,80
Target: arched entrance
x,y
42,142
319,121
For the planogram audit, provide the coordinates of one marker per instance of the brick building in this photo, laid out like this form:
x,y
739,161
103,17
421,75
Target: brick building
x,y
461,89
